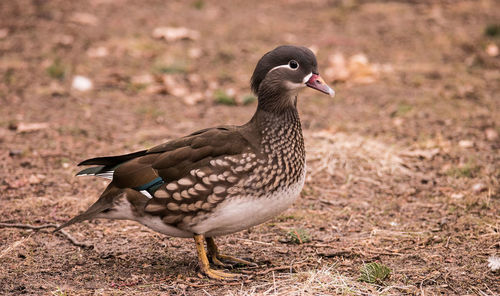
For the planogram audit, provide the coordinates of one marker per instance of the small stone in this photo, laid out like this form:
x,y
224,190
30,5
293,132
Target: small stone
x,y
34,179
31,127
398,121
175,33
195,79
97,52
194,53
494,263
192,99
15,152
64,39
65,165
212,85
84,18
457,196
174,86
156,89
492,50
491,134
466,144
81,83
56,89
4,32
479,187
144,79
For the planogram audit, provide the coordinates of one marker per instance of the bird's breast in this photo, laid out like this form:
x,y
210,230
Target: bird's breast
x,y
241,212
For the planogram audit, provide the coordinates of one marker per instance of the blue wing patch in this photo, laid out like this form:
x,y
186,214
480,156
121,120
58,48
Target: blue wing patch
x,y
150,187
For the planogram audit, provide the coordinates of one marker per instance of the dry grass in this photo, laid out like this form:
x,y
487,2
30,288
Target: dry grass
x,y
354,165
353,156
324,281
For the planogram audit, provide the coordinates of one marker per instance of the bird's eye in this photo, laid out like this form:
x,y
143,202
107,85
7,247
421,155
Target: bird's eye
x,y
293,64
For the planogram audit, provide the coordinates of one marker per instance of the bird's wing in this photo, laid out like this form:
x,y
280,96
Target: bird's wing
x,y
189,175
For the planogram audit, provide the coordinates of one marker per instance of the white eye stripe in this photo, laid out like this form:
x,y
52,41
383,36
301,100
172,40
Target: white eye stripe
x,y
281,66
286,66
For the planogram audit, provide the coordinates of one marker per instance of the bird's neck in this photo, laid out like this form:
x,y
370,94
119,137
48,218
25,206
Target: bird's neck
x,y
272,115
280,131
277,99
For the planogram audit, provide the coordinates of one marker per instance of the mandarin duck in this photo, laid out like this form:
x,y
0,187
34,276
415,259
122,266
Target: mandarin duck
x,y
218,180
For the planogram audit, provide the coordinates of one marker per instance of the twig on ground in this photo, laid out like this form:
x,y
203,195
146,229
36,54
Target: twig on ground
x,y
283,267
212,283
254,241
387,252
340,253
189,282
27,226
74,241
332,203
38,227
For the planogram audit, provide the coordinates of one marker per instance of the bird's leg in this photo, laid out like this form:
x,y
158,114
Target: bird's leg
x,y
204,264
216,257
213,253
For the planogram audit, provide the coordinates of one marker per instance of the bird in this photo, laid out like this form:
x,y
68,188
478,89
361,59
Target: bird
x,y
218,180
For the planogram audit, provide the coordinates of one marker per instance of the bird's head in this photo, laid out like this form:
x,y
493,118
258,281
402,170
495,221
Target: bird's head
x,y
280,73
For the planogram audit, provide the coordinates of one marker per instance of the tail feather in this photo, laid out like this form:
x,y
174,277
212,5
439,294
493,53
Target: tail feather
x,y
105,167
111,161
105,202
99,171
91,171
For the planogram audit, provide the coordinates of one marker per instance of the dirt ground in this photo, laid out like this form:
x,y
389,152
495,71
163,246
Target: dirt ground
x,y
403,165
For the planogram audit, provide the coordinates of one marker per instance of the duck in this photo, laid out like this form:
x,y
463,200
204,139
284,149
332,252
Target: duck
x,y
218,180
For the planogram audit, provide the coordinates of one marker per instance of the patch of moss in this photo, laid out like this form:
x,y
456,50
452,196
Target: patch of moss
x,y
136,87
221,97
249,99
401,110
469,170
298,236
283,218
492,30
56,70
199,4
374,273
59,292
179,67
151,112
8,77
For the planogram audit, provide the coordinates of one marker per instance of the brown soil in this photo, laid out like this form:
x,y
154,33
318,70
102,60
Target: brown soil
x,y
403,170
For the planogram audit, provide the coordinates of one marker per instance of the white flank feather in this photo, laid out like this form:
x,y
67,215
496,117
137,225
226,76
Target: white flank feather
x,y
494,263
106,175
146,193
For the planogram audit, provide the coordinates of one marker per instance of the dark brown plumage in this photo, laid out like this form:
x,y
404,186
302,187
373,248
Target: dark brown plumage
x,y
218,180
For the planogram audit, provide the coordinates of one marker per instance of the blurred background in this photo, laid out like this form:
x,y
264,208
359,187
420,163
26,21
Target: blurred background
x,y
403,164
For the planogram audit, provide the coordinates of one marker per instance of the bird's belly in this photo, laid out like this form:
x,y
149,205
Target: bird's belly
x,y
123,211
156,224
239,213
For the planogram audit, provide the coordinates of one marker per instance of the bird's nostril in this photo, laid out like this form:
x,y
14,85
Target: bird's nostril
x,y
318,82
